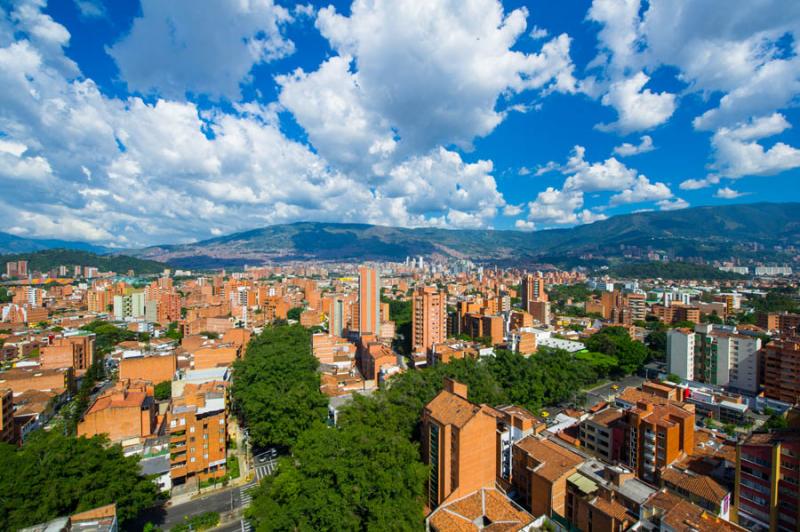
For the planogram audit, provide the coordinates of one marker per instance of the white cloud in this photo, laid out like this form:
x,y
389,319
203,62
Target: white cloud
x,y
727,193
737,152
587,217
642,190
165,171
626,149
435,73
91,8
524,225
524,170
175,47
697,184
538,33
592,177
555,206
512,210
673,204
638,108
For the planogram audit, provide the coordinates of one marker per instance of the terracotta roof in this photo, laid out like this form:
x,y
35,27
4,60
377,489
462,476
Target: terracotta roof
x,y
607,417
554,460
129,400
450,409
700,485
485,509
680,514
611,509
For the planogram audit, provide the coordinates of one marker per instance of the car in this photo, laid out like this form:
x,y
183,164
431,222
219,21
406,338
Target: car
x,y
615,387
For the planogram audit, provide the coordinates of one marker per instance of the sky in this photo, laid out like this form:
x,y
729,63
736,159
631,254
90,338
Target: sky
x,y
136,122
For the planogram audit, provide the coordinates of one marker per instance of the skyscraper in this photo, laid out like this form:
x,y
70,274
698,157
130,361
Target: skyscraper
x,y
369,294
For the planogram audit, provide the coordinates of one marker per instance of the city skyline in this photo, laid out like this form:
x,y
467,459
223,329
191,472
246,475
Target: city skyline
x,y
123,124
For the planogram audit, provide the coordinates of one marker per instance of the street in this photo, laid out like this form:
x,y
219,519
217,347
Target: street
x,y
264,463
603,392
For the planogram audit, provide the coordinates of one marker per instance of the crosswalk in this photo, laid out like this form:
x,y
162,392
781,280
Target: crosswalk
x,y
246,526
264,470
246,494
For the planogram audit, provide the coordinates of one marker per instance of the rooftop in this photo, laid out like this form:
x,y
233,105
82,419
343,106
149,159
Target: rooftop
x,y
484,509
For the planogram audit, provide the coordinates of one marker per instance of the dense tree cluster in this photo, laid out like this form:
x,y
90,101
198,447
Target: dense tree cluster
x,y
107,336
617,343
366,473
276,389
50,259
670,270
53,475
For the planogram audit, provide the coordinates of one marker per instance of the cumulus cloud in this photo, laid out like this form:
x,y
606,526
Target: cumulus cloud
x,y
421,74
638,108
737,152
555,206
626,149
642,190
727,193
672,204
163,170
592,177
174,47
524,225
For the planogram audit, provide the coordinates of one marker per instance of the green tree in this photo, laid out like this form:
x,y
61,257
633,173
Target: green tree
x,y
673,378
5,296
294,313
615,342
54,475
276,389
163,390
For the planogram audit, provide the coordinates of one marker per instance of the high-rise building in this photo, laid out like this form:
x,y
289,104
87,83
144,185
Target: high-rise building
x,y
532,289
680,353
428,318
369,296
767,487
459,442
337,318
6,416
781,360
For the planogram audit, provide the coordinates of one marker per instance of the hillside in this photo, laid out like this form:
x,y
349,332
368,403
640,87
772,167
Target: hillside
x,y
49,259
707,232
16,244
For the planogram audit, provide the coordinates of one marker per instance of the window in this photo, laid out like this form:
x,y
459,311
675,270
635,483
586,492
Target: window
x,y
191,429
192,459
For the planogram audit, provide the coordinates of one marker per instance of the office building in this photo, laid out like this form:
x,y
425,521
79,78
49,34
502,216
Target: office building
x,y
532,290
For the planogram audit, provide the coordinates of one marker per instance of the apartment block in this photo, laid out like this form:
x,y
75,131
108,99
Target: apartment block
x,y
369,296
781,362
198,433
603,434
540,469
154,368
6,415
20,380
532,289
767,489
459,443
75,351
680,353
125,412
656,436
428,319
781,322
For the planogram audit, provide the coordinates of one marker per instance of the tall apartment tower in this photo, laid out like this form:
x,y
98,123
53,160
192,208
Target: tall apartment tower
x,y
680,353
369,296
782,370
532,290
428,318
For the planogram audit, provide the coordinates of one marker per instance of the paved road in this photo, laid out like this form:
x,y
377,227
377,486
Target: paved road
x,y
602,393
222,501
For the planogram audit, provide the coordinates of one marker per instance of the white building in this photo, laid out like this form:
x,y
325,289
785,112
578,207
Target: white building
x,y
680,353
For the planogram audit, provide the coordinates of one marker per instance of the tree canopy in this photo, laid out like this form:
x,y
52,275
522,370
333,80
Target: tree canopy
x,y
616,342
276,389
55,475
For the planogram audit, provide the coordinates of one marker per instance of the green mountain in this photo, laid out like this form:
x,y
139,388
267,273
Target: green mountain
x,y
714,232
50,259
16,244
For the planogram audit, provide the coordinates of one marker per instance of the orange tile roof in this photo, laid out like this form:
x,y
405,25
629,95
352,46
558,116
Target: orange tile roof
x,y
612,509
450,409
607,417
702,486
485,509
680,514
554,460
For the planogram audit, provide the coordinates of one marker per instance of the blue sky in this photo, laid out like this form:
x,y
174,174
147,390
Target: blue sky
x,y
131,123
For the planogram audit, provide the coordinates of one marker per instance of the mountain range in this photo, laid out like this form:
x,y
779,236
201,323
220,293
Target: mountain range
x,y
712,232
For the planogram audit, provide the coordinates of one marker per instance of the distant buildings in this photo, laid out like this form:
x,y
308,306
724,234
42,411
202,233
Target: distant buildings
x,y
369,296
428,318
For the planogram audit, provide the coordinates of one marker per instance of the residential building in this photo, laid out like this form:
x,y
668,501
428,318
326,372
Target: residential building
x,y
459,443
540,469
680,353
767,489
428,319
603,434
484,509
6,415
198,432
23,379
75,351
369,296
153,368
532,290
781,362
129,306
126,411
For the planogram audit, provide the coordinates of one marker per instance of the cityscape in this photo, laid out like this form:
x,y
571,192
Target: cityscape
x,y
398,265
